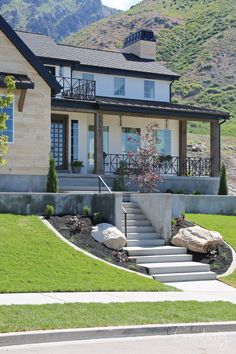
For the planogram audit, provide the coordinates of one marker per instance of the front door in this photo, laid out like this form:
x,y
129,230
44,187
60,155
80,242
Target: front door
x,y
58,141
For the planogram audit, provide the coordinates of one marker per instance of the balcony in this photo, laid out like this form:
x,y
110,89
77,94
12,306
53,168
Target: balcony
x,y
165,165
77,89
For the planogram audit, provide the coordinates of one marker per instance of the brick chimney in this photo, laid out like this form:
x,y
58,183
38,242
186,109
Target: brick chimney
x,y
142,44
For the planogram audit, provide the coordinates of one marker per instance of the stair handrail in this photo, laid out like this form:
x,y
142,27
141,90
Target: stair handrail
x,y
100,182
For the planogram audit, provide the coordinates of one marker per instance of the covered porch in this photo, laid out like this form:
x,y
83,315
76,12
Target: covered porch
x,y
179,165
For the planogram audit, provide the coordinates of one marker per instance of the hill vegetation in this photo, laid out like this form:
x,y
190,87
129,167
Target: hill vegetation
x,y
196,38
52,17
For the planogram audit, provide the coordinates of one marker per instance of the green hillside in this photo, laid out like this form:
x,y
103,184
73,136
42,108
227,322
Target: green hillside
x,y
194,37
52,17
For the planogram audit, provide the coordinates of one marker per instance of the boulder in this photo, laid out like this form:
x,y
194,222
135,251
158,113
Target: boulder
x,y
109,235
197,239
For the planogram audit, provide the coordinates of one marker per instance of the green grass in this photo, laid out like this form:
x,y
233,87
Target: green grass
x,y
226,225
33,259
43,317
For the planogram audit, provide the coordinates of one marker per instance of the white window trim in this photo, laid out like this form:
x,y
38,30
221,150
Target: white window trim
x,y
13,126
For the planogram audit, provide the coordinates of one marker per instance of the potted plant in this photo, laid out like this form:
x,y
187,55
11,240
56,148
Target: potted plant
x,y
76,166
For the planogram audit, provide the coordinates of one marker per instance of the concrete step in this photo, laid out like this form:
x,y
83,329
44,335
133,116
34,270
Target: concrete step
x,y
81,188
136,216
145,243
140,229
130,204
133,211
151,251
142,236
164,258
176,277
142,222
175,267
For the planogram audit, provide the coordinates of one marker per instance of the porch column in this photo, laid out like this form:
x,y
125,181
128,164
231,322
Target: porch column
x,y
182,147
215,148
98,144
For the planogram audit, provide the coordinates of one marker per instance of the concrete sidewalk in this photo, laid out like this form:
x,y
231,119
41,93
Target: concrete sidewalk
x,y
198,291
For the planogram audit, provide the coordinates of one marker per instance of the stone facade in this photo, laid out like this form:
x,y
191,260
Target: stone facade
x,y
29,153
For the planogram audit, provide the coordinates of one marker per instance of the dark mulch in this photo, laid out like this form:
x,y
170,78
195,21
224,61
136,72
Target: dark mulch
x,y
219,259
77,229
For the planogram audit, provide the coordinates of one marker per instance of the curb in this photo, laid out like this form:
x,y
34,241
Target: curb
x,y
21,338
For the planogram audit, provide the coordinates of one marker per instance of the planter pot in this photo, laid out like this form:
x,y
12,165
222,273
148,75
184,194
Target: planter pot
x,y
76,169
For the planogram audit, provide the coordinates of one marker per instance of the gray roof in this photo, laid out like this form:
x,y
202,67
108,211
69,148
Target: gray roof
x,y
45,47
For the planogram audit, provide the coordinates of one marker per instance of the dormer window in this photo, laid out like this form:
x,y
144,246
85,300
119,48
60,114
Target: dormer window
x,y
119,86
149,89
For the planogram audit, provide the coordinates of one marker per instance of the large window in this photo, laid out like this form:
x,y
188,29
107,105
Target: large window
x,y
9,123
130,139
74,140
87,76
149,89
91,143
119,86
163,142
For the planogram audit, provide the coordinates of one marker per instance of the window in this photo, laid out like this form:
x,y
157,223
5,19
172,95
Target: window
x,y
61,71
130,139
119,86
91,143
87,76
74,140
163,142
149,89
9,123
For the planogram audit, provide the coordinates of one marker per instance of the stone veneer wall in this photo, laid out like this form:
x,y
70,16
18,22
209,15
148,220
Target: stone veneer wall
x,y
28,155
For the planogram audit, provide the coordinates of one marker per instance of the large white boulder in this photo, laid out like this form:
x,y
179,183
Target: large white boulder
x,y
109,235
197,239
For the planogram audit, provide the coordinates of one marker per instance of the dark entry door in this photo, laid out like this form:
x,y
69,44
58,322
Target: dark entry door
x,y
58,141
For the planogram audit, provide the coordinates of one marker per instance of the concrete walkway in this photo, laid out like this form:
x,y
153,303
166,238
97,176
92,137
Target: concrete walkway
x,y
199,291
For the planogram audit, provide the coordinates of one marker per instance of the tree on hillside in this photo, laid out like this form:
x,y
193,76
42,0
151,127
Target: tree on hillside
x,y
223,188
5,102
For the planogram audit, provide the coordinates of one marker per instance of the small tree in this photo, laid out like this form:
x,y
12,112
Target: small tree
x,y
145,173
52,179
223,188
5,102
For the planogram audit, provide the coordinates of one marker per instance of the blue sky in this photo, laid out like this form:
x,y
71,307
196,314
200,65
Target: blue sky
x,y
120,4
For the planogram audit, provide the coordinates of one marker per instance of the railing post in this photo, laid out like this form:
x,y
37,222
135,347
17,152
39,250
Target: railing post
x,y
99,185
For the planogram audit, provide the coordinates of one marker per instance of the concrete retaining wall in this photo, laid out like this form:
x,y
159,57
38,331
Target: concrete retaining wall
x,y
109,205
157,208
203,204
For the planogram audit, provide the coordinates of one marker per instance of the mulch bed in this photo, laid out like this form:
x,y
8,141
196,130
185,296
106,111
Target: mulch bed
x,y
219,259
77,229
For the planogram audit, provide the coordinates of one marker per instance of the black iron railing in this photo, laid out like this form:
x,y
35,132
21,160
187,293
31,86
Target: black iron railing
x,y
169,165
77,89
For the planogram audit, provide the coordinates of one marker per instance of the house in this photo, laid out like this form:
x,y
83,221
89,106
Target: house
x,y
85,104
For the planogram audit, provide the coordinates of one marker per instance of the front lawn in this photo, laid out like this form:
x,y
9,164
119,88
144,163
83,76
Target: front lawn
x,y
33,259
224,224
57,316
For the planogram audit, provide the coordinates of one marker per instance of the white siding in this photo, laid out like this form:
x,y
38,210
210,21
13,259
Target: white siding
x,y
134,87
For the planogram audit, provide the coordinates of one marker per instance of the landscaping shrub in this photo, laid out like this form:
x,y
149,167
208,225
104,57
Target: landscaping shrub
x,y
49,210
52,179
86,210
223,188
97,218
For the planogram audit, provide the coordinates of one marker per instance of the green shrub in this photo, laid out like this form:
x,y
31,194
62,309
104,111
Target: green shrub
x,y
223,188
52,179
86,210
97,218
49,210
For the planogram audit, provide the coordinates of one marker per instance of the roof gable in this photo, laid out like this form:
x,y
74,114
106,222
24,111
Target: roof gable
x,y
28,55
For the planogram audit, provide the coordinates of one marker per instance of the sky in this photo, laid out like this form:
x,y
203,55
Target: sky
x,y
120,4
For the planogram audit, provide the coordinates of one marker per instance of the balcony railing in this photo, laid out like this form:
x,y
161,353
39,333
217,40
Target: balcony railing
x,y
77,89
169,165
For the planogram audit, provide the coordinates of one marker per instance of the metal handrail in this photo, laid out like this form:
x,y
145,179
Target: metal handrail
x,y
100,182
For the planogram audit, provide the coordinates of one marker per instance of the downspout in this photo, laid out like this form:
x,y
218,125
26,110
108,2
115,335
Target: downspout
x,y
170,98
223,121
